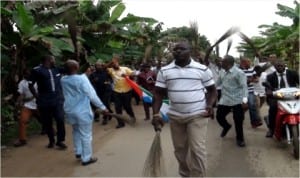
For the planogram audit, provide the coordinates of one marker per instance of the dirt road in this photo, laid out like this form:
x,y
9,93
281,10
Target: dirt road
x,y
122,153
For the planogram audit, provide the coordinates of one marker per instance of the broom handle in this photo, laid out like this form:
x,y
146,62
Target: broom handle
x,y
158,129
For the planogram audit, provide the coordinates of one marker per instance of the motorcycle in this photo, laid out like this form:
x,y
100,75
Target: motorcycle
x,y
288,116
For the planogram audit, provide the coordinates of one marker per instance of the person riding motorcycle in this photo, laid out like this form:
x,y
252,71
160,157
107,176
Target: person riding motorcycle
x,y
281,78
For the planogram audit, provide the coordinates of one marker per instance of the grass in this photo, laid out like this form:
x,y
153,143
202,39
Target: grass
x,y
10,134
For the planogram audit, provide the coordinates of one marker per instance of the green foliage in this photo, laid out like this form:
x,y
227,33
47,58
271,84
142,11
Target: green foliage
x,y
7,114
117,12
174,34
278,39
9,131
23,18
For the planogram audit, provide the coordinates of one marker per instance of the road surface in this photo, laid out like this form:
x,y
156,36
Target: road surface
x,y
122,152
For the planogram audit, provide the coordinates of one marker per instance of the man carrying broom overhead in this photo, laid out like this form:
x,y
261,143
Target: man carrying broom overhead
x,y
184,82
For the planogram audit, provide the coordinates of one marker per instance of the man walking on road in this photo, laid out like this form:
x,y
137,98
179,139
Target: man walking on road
x,y
147,79
102,83
184,81
234,97
27,103
250,74
78,93
122,91
49,98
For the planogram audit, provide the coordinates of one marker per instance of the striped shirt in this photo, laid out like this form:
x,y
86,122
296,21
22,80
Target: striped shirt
x,y
186,87
249,74
234,86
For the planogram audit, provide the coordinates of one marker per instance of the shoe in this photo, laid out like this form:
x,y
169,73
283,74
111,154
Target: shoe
x,y
96,119
61,145
20,143
50,145
92,160
257,124
146,119
78,156
120,126
225,130
269,134
240,143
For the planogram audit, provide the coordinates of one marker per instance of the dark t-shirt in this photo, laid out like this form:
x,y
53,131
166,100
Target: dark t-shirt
x,y
102,82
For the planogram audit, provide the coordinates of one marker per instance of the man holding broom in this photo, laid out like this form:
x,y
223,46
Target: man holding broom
x,y
184,82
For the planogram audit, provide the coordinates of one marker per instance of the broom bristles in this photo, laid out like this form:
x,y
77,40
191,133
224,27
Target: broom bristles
x,y
154,164
122,117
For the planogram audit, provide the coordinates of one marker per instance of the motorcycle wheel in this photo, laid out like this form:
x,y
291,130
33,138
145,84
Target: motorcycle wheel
x,y
295,135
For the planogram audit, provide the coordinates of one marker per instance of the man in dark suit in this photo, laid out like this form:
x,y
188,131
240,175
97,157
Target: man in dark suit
x,y
281,78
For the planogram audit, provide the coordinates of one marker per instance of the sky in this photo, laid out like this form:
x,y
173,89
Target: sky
x,y
214,17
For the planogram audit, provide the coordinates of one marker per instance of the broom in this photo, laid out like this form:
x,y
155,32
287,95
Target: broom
x,y
154,164
122,117
119,116
227,34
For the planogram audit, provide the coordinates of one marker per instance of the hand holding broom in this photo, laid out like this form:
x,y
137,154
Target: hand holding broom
x,y
157,122
154,164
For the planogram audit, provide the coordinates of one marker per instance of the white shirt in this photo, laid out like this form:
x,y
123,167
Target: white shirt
x,y
216,73
185,86
284,78
270,70
259,89
23,89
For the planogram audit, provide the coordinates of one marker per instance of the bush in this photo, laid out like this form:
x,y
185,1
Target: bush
x,y
9,125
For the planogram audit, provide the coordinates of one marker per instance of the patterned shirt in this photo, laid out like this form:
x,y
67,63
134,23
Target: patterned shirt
x,y
48,82
186,87
234,86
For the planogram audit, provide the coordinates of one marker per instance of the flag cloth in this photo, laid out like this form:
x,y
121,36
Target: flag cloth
x,y
147,96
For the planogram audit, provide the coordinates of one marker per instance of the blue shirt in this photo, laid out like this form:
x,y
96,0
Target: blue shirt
x,y
234,86
48,82
78,93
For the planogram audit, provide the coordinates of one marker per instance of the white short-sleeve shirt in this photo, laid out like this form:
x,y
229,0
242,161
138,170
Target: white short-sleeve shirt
x,y
186,87
24,90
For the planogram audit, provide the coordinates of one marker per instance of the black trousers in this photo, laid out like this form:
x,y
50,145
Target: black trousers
x,y
238,117
105,98
272,116
219,94
147,109
136,97
123,100
47,113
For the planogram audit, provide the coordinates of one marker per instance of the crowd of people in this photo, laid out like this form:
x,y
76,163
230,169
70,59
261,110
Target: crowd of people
x,y
193,88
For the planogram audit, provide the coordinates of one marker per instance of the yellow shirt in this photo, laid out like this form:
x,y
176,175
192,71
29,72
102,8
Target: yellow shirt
x,y
120,84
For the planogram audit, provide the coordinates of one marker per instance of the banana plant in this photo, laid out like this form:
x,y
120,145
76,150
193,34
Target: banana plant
x,y
279,39
25,38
